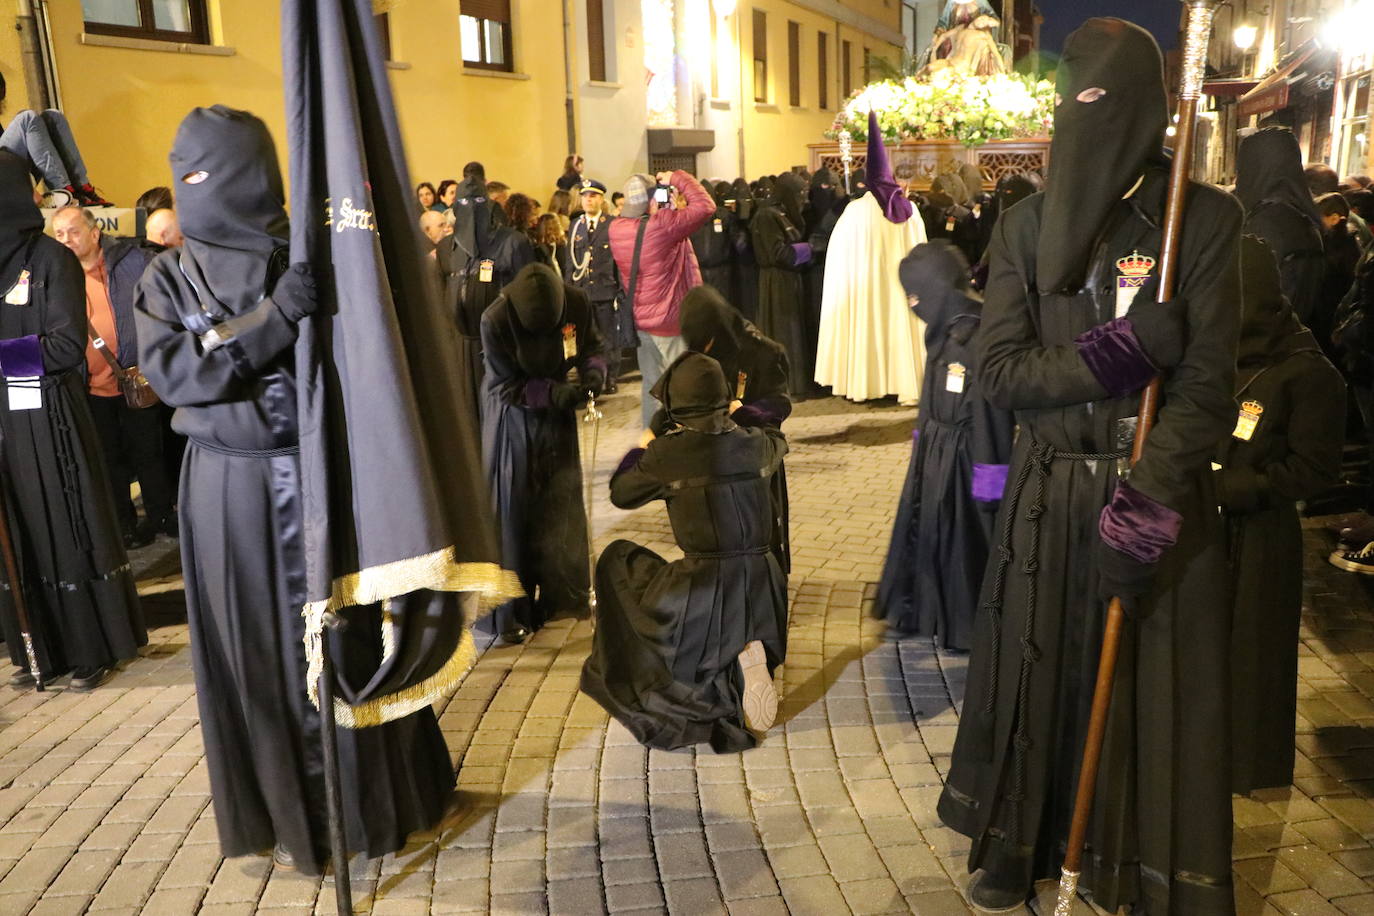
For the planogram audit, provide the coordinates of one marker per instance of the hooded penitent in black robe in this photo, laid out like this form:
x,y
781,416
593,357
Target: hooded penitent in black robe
x,y
747,265
958,466
825,203
529,440
1286,447
1279,209
664,658
83,608
714,244
1011,190
242,537
1050,349
783,255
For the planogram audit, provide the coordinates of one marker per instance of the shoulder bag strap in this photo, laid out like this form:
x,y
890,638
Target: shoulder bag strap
x,y
634,262
104,349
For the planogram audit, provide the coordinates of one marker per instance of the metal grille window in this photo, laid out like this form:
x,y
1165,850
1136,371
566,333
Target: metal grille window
x,y
760,56
822,70
162,20
794,64
596,41
486,34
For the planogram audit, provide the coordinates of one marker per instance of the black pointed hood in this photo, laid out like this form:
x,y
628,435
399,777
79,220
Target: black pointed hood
x,y
20,221
789,193
706,319
1109,120
694,394
1269,169
1269,329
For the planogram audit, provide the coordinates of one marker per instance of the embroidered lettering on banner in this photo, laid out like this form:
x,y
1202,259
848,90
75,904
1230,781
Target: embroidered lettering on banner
x,y
1135,273
348,216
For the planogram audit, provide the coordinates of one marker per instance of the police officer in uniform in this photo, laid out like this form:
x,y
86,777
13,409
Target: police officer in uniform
x,y
594,272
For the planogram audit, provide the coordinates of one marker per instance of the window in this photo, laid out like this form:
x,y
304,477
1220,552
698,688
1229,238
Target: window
x,y
715,49
485,32
794,64
383,21
760,56
823,70
846,70
596,41
868,66
163,20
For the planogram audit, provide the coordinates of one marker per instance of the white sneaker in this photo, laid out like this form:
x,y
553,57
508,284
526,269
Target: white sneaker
x,y
55,200
1357,561
760,699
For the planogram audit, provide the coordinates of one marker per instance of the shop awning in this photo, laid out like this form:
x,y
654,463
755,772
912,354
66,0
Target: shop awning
x,y
1272,92
1228,89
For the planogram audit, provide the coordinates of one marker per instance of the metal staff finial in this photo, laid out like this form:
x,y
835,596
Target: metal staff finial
x,y
846,156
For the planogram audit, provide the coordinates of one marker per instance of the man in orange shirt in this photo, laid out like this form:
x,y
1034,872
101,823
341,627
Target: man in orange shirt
x,y
132,439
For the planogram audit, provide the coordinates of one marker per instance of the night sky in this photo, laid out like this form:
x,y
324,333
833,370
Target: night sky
x,y
1063,16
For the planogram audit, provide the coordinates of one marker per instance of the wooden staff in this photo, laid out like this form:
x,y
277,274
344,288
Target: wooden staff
x,y
21,607
1196,37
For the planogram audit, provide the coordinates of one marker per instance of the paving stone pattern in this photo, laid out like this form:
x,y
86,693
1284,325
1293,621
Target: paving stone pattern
x,y
104,804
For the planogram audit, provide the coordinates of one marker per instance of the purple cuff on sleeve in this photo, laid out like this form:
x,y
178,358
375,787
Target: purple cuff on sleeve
x,y
630,460
1137,526
749,415
915,435
801,254
537,392
598,364
21,357
989,482
1115,357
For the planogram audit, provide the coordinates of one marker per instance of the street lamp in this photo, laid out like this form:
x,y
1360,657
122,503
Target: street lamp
x,y
1244,36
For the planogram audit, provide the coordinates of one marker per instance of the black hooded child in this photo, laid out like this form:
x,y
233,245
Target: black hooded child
x,y
533,336
683,651
958,466
1279,209
83,607
783,255
1070,334
1286,447
217,322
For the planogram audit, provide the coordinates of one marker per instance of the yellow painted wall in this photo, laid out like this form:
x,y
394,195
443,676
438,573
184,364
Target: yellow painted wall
x,y
12,66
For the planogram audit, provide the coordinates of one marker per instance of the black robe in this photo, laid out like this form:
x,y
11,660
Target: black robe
x,y
242,557
1292,453
532,461
747,267
664,658
954,483
782,294
1160,837
714,245
1297,245
82,602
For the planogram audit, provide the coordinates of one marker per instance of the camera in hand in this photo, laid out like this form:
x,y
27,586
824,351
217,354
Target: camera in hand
x,y
663,194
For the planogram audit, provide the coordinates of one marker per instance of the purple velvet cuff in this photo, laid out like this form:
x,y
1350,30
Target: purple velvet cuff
x,y
915,436
537,393
1134,524
801,254
598,364
630,460
21,357
1115,357
989,482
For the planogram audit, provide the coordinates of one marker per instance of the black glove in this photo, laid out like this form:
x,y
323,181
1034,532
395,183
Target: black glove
x,y
1161,327
593,380
567,397
295,293
1124,577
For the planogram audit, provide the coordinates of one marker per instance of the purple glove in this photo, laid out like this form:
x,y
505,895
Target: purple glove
x,y
21,357
801,254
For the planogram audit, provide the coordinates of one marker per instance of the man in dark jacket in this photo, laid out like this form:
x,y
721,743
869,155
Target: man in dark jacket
x,y
131,438
594,272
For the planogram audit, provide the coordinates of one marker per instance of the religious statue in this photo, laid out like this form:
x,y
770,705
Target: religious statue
x,y
964,40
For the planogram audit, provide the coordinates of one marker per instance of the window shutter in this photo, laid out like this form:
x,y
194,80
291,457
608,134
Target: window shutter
x,y
794,63
760,36
498,10
596,41
823,70
846,69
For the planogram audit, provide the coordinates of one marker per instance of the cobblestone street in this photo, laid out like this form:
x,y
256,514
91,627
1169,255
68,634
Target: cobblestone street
x,y
104,803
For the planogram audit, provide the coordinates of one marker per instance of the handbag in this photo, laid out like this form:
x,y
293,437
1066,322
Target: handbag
x,y
138,393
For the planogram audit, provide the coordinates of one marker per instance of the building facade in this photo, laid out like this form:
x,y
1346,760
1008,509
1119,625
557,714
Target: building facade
x,y
725,87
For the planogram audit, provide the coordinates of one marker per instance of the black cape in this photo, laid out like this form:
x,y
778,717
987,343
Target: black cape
x,y
532,460
1292,453
664,658
82,603
959,455
782,291
1160,837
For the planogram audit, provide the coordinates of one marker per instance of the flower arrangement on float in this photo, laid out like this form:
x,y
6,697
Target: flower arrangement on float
x,y
950,105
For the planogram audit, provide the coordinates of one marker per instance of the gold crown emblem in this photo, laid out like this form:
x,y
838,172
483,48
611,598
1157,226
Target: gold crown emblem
x,y
1136,265
1252,407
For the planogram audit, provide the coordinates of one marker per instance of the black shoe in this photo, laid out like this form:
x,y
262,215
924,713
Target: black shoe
x,y
514,636
611,388
22,677
140,536
988,898
1357,561
90,678
170,527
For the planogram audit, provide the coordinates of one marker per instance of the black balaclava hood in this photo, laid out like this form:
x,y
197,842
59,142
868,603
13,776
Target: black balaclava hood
x,y
694,393
858,183
536,295
707,319
230,204
824,194
20,221
1016,187
1269,168
1109,120
721,191
1269,329
951,186
936,274
789,192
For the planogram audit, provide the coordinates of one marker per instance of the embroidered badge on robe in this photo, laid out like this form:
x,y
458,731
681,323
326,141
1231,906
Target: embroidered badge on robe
x,y
1134,274
1250,413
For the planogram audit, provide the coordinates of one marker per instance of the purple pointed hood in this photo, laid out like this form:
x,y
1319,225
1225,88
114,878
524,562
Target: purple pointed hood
x,y
889,194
